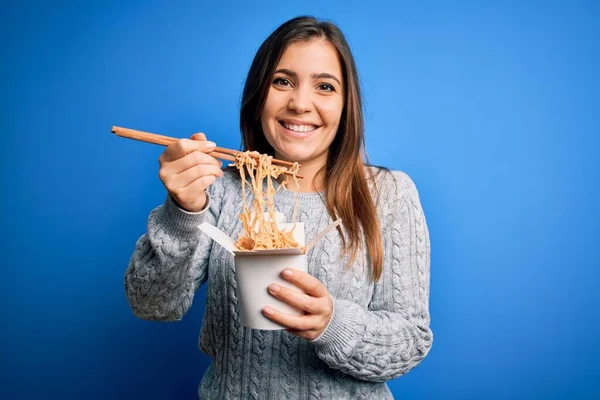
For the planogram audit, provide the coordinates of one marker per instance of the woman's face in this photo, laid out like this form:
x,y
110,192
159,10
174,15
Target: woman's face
x,y
304,104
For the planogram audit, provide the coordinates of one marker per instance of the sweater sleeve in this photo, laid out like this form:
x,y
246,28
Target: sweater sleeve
x,y
392,335
170,261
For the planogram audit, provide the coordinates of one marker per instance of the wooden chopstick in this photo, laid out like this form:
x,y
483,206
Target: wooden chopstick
x,y
158,139
140,135
219,152
222,150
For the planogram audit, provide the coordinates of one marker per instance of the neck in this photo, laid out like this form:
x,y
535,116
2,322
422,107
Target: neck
x,y
311,180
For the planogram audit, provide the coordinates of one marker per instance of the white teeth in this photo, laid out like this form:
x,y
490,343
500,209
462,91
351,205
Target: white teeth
x,y
300,128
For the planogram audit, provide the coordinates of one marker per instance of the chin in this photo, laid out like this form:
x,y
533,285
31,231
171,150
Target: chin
x,y
296,154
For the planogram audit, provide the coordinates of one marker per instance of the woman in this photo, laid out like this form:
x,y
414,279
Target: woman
x,y
366,301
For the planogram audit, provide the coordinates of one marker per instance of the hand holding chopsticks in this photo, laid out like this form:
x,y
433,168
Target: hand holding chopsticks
x,y
219,152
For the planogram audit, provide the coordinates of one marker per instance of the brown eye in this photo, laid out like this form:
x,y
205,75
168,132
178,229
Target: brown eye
x,y
326,87
281,82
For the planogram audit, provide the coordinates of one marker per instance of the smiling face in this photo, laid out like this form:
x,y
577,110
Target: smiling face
x,y
304,104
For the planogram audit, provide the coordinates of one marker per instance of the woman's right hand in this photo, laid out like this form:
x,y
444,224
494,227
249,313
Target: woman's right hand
x,y
186,171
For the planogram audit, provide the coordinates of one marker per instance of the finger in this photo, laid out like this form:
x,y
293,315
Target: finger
x,y
188,176
181,147
169,170
198,136
297,299
201,136
175,151
191,160
308,283
295,322
191,194
308,335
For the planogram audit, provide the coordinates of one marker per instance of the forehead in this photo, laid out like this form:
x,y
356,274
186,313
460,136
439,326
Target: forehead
x,y
313,57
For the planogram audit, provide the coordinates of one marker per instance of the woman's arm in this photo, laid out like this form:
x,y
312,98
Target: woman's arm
x,y
393,334
170,261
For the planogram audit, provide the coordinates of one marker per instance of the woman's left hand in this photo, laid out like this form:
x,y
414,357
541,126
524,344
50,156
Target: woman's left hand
x,y
315,301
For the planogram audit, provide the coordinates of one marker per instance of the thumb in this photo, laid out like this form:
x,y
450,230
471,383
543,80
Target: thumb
x,y
198,136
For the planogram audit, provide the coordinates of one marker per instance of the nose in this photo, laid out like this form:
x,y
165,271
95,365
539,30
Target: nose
x,y
300,100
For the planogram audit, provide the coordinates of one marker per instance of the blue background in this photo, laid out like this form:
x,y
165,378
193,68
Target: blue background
x,y
491,107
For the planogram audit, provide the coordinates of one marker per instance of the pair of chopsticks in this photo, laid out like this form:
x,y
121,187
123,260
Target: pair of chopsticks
x,y
219,152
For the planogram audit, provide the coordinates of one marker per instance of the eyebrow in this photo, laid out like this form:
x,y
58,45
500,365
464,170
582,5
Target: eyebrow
x,y
322,75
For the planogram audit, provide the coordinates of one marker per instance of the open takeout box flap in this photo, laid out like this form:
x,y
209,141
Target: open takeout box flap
x,y
218,236
322,234
229,244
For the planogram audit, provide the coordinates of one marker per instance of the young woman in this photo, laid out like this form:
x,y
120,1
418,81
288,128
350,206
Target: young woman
x,y
367,291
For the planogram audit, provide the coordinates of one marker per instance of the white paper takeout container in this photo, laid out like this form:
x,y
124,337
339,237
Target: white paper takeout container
x,y
256,270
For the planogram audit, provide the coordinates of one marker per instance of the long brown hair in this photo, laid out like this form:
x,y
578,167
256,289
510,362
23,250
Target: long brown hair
x,y
347,191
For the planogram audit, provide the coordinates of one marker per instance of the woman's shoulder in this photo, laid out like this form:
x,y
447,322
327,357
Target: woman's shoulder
x,y
389,182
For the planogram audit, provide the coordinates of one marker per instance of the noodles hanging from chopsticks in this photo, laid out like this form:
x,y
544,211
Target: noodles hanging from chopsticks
x,y
262,232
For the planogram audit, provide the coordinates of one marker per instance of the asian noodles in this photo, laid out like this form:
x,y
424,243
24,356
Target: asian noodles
x,y
260,231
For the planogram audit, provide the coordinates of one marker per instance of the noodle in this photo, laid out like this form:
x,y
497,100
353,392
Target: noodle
x,y
260,232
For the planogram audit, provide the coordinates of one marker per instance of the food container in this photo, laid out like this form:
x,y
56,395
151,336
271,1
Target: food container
x,y
255,270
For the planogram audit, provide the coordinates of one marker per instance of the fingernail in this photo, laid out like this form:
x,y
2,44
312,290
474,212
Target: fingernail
x,y
275,288
210,145
287,273
268,310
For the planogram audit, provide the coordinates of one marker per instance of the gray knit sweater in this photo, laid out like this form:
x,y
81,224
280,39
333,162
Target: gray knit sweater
x,y
378,331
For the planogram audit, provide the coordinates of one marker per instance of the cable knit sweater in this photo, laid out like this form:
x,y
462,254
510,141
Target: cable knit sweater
x,y
378,331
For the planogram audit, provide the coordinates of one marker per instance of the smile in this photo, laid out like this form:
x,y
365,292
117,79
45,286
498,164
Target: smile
x,y
298,130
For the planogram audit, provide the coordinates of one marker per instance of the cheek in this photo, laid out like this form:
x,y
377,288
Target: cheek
x,y
331,113
269,111
275,101
266,119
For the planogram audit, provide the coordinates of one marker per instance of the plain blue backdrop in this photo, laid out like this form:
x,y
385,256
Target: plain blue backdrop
x,y
491,107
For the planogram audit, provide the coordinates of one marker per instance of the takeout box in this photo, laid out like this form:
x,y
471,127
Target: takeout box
x,y
255,270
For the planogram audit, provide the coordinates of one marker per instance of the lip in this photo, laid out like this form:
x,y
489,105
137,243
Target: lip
x,y
297,122
299,135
